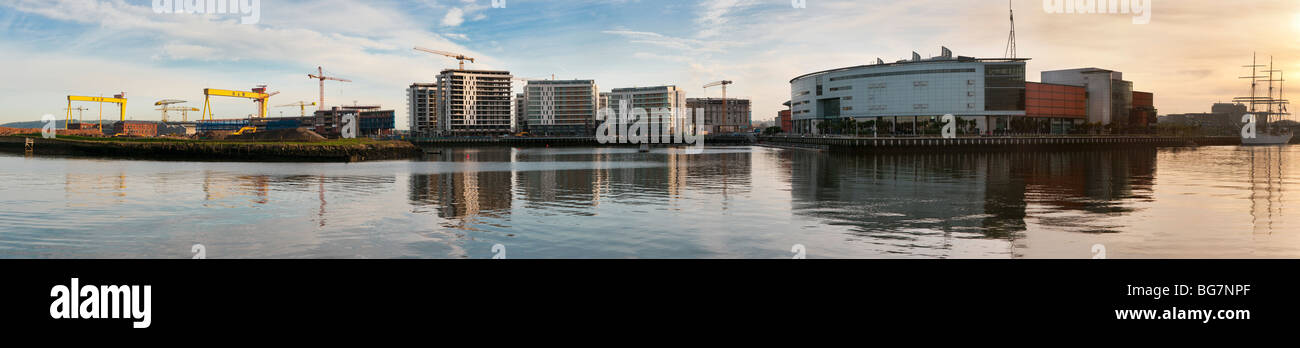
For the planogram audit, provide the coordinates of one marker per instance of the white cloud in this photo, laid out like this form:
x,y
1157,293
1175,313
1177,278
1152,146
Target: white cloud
x,y
376,53
189,52
454,17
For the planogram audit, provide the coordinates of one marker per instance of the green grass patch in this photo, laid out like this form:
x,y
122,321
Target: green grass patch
x,y
327,142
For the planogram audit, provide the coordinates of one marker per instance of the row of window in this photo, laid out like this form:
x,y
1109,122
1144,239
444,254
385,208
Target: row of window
x,y
901,73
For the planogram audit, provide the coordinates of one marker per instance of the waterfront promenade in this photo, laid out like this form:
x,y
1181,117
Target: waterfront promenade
x,y
875,143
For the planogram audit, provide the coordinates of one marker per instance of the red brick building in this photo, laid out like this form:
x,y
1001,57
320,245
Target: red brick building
x,y
136,128
783,119
1143,115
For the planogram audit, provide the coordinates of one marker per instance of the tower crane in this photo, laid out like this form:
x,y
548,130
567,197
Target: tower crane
x,y
80,119
166,106
457,56
724,84
302,106
185,112
320,75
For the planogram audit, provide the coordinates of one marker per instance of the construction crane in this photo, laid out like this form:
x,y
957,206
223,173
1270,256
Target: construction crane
x,y
724,84
302,106
166,106
80,119
119,99
457,56
185,112
258,95
320,75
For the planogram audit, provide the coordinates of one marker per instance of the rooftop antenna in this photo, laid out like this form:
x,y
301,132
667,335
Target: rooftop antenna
x,y
1011,41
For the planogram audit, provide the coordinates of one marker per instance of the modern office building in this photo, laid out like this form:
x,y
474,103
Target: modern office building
x,y
562,107
988,96
1052,109
908,97
520,113
1112,101
736,119
422,108
474,102
372,121
1143,114
662,102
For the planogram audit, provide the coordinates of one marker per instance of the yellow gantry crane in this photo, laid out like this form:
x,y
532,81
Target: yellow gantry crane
x,y
302,106
457,56
119,99
258,95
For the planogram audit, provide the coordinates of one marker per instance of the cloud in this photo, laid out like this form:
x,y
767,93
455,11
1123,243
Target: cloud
x,y
454,17
189,52
375,52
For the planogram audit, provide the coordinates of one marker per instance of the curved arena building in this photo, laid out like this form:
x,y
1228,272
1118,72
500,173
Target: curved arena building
x,y
909,97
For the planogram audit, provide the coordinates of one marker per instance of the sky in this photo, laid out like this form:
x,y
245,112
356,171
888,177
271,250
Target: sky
x,y
1189,54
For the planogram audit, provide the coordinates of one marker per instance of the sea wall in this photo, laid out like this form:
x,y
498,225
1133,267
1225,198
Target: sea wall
x,y
928,144
220,151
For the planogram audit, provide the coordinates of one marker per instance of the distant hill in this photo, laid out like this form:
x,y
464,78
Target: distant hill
x,y
38,124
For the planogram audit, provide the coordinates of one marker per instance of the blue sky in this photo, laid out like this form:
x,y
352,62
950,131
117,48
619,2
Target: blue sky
x,y
1188,55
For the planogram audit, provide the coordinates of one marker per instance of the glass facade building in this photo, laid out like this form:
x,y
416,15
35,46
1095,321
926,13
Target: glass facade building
x,y
907,98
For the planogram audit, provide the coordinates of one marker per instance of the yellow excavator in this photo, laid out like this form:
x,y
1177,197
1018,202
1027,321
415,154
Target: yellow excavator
x,y
241,131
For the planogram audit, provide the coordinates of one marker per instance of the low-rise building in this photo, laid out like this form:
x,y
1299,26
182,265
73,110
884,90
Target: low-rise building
x,y
136,128
736,118
783,120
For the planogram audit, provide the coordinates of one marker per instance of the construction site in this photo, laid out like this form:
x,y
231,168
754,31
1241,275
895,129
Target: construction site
x,y
182,131
175,120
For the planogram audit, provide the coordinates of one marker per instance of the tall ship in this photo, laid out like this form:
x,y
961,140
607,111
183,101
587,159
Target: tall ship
x,y
1268,110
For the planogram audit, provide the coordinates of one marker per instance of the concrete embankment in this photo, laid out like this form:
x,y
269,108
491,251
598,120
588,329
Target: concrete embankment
x,y
562,141
220,151
991,143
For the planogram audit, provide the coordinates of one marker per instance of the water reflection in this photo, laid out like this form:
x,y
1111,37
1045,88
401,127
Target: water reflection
x,y
926,201
1268,169
619,203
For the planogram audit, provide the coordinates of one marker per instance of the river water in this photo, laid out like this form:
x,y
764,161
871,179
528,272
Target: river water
x,y
729,202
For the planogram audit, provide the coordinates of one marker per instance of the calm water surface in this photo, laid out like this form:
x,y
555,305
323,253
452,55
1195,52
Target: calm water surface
x,y
730,202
